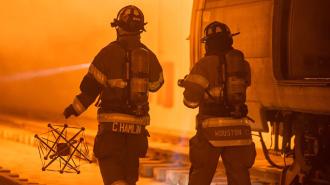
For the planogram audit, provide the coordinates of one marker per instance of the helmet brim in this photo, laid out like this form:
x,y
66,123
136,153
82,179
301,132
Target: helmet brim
x,y
203,39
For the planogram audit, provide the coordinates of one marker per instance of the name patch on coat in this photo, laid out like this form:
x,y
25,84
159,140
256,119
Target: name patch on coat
x,y
228,132
126,128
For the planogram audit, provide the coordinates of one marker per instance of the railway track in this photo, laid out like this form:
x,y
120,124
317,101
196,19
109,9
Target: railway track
x,y
167,160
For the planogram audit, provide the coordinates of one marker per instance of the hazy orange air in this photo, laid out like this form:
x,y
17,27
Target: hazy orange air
x,y
46,46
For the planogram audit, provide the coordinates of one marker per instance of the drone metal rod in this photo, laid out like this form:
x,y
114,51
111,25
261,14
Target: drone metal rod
x,y
57,139
69,142
84,156
75,163
69,126
60,151
47,140
50,162
55,152
75,149
53,134
40,148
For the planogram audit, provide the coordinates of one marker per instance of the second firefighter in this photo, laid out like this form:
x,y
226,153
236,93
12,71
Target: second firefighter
x,y
217,85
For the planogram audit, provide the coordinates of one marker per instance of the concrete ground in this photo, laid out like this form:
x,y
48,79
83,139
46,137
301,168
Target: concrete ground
x,y
24,160
20,155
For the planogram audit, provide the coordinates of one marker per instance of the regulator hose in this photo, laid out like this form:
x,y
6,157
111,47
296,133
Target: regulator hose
x,y
266,154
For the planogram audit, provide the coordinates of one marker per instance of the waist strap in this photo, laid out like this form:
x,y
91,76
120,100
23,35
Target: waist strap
x,y
123,118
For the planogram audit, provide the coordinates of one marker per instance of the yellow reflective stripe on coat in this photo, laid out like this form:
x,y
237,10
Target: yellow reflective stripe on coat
x,y
120,83
155,85
98,75
123,118
198,79
78,106
224,122
190,104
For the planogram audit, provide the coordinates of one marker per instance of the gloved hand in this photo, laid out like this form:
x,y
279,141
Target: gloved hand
x,y
181,81
69,111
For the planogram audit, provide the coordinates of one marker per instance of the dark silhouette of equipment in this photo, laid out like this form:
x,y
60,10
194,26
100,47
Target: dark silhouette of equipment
x,y
63,145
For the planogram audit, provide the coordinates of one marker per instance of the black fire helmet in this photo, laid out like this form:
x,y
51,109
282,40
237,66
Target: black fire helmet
x,y
130,18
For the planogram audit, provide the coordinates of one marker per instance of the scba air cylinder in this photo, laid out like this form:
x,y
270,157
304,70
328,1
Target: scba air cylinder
x,y
236,78
139,80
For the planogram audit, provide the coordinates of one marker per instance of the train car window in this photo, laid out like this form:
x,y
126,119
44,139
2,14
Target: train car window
x,y
302,34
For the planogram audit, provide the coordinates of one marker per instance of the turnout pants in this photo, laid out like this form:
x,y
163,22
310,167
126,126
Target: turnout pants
x,y
118,154
204,160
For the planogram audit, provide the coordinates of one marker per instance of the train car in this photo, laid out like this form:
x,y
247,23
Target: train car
x,y
287,43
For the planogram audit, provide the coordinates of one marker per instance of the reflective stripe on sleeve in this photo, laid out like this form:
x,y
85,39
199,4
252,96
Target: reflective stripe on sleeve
x,y
215,92
78,106
190,104
123,118
153,86
97,74
198,79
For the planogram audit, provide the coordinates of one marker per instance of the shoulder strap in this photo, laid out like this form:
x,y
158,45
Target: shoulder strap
x,y
222,70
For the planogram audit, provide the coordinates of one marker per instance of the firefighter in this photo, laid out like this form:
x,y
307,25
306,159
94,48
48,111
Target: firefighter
x,y
121,75
217,85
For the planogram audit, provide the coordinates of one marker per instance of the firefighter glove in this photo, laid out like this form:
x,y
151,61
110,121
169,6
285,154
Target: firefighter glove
x,y
69,111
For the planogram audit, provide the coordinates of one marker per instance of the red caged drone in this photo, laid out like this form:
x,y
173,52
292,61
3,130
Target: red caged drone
x,y
63,144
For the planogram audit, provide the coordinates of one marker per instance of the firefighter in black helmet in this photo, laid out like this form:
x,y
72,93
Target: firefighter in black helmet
x,y
122,74
217,85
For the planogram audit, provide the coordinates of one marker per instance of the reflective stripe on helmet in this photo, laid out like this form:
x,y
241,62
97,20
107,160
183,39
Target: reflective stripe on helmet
x,y
198,79
120,83
190,104
97,74
153,86
123,118
78,106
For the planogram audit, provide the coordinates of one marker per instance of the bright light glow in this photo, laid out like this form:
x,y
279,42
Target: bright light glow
x,y
42,73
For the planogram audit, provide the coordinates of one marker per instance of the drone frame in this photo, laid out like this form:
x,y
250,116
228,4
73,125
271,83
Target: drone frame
x,y
63,149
